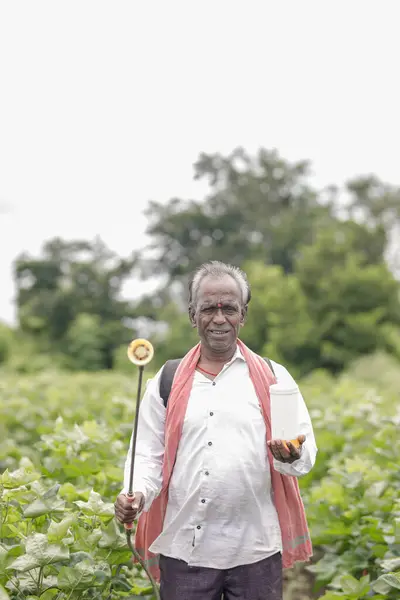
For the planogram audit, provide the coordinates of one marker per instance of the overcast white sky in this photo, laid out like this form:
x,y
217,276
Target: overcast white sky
x,y
104,105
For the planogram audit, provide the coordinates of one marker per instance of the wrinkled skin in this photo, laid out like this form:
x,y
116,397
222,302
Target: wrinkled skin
x,y
279,452
219,307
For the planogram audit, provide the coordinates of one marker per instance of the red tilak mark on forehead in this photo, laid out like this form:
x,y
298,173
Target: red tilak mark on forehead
x,y
219,305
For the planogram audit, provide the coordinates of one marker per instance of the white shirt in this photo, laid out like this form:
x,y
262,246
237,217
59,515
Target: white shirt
x,y
220,511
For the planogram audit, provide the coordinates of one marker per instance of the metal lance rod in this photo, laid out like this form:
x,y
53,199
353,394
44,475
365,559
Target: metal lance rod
x,y
135,428
140,353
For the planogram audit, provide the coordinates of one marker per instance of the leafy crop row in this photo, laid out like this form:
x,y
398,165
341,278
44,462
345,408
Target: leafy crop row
x,y
63,442
62,450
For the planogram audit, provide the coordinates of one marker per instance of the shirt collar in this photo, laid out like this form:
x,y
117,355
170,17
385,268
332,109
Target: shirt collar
x,y
238,355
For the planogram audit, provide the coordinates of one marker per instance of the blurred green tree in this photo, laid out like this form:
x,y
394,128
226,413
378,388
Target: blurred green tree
x,y
260,208
353,304
317,260
178,336
333,309
377,205
278,324
84,343
6,339
69,280
262,212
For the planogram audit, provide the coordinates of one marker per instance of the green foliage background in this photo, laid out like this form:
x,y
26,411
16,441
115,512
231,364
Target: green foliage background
x,y
323,266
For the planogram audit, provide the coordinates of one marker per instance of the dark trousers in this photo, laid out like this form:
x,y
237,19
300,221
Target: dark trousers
x,y
259,581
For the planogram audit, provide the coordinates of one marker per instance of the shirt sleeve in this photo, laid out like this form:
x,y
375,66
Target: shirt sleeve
x,y
305,463
149,445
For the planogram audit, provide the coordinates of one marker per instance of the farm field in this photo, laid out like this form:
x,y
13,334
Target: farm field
x,y
63,441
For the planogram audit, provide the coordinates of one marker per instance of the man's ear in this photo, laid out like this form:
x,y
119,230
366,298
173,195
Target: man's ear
x,y
192,317
243,316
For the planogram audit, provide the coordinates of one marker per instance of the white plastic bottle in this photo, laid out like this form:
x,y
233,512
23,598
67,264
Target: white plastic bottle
x,y
285,418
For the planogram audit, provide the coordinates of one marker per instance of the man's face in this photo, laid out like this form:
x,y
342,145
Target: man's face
x,y
219,313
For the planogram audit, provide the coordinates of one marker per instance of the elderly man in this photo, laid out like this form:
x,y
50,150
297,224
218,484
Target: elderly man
x,y
219,503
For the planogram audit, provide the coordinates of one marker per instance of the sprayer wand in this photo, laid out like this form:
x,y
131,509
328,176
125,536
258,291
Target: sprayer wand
x,y
140,353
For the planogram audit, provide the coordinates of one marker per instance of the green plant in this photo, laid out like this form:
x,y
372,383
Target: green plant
x,y
58,536
353,494
63,442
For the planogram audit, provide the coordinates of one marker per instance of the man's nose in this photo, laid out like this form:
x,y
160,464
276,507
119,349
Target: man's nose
x,y
219,316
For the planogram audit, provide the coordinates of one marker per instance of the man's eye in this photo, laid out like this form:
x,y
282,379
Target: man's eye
x,y
229,310
208,311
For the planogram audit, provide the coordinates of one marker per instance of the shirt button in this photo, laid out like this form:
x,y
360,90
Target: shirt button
x,y
211,414
214,383
203,501
198,526
210,443
206,473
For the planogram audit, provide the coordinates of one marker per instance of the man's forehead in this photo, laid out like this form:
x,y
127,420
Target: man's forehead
x,y
223,286
218,296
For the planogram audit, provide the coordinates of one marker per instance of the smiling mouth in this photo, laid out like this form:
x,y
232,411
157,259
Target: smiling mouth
x,y
216,332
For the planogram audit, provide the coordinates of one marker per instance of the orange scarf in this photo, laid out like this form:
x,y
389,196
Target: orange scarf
x,y
292,519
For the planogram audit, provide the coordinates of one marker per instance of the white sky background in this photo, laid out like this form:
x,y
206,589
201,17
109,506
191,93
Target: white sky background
x,y
105,105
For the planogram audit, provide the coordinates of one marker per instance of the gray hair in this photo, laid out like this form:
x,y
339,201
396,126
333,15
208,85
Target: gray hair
x,y
218,269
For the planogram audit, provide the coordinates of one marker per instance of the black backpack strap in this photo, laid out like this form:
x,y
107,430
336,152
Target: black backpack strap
x,y
167,377
269,364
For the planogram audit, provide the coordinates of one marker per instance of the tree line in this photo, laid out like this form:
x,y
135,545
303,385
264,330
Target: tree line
x,y
322,264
